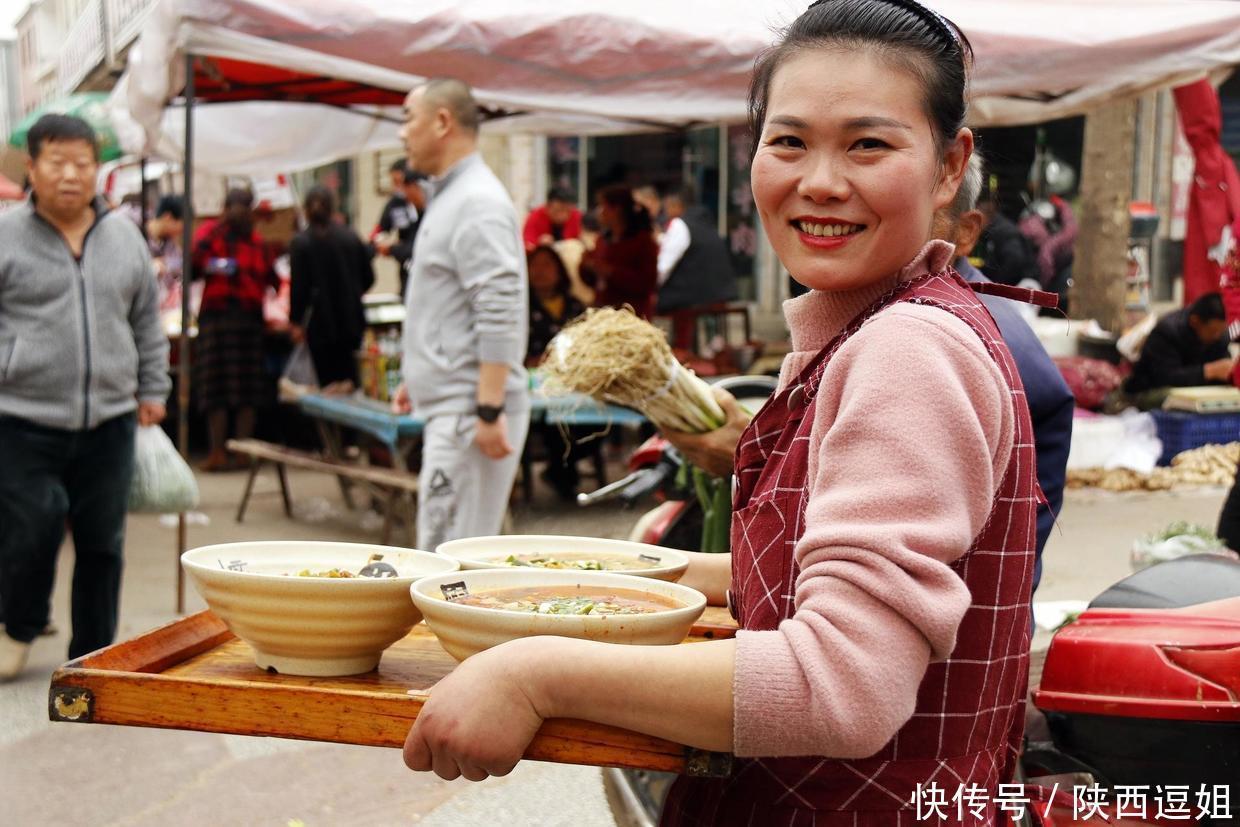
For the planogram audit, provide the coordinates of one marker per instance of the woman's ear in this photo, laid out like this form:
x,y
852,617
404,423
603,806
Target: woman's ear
x,y
955,162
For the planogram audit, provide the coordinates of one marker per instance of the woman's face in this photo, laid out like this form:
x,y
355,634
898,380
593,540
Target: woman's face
x,y
544,275
847,175
609,216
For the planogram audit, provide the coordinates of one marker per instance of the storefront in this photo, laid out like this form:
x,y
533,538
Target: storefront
x,y
713,159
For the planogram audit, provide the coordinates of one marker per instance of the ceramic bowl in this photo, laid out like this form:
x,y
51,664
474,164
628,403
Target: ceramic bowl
x,y
464,630
314,626
491,552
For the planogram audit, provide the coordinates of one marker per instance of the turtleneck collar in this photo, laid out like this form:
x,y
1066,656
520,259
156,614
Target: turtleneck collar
x,y
817,317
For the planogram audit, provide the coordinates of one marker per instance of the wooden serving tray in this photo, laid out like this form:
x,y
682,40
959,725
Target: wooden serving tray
x,y
195,674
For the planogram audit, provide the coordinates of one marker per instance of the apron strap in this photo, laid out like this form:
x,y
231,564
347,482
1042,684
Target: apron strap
x,y
1040,298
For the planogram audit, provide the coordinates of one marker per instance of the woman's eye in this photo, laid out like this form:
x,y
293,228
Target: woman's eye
x,y
870,143
787,141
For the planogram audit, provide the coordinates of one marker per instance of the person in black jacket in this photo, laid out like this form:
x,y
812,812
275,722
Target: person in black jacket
x,y
695,268
330,272
1007,256
1187,347
398,224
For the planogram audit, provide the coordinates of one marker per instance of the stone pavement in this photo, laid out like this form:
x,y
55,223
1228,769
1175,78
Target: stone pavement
x,y
62,774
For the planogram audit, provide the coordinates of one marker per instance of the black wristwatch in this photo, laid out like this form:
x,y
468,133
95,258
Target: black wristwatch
x,y
489,413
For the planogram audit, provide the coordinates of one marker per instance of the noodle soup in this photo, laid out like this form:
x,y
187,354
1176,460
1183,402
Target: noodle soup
x,y
570,600
585,561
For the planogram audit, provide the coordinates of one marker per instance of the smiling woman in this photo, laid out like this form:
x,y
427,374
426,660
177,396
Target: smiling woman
x,y
882,534
839,177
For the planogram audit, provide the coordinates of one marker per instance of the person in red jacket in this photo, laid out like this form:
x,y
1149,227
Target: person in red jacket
x,y
228,372
554,221
624,265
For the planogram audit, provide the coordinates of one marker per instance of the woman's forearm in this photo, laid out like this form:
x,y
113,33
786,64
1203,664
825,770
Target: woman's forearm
x,y
711,574
681,693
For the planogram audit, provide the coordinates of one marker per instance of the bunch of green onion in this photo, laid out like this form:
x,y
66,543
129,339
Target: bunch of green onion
x,y
612,355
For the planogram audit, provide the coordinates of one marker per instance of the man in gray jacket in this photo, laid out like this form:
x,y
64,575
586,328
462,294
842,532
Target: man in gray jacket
x,y
465,330
81,347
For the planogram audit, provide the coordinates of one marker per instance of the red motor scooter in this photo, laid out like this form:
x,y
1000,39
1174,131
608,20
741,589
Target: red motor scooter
x,y
1142,692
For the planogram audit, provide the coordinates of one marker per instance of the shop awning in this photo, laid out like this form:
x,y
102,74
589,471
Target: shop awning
x,y
645,62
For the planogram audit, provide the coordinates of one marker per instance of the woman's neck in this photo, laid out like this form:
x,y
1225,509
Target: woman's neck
x,y
815,318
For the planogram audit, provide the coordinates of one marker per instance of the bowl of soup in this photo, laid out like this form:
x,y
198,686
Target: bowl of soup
x,y
313,608
562,553
472,610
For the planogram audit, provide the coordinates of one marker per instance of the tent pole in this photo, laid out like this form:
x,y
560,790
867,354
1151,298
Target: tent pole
x,y
142,193
187,267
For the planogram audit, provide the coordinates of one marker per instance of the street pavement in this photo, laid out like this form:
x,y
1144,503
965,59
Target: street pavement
x,y
64,774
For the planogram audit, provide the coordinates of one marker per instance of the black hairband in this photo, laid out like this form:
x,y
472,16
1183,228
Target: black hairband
x,y
929,16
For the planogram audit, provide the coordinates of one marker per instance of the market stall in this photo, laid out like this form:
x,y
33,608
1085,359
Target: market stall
x,y
652,65
648,63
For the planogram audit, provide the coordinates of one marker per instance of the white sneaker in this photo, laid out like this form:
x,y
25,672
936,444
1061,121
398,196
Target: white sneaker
x,y
13,654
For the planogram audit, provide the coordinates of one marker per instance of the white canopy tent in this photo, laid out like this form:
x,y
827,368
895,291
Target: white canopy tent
x,y
575,68
253,138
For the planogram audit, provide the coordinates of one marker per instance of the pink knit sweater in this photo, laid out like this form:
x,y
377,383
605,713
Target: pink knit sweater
x,y
913,426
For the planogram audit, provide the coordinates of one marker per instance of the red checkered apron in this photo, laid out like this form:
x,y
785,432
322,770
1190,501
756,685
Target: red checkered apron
x,y
969,718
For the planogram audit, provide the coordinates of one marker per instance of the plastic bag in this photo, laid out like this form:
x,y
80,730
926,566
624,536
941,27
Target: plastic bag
x,y
299,377
1178,540
300,368
162,482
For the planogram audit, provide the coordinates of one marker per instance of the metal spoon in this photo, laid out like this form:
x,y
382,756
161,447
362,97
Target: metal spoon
x,y
375,567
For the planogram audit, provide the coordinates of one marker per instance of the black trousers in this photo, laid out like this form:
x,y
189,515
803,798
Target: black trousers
x,y
49,477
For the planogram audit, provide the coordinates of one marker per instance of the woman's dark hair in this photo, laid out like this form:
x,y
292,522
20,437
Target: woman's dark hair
x,y
60,128
563,284
239,197
918,39
321,196
172,205
636,217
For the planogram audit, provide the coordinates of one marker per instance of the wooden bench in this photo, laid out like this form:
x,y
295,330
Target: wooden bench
x,y
392,485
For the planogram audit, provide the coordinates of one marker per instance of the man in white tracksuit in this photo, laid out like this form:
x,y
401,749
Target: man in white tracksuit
x,y
466,327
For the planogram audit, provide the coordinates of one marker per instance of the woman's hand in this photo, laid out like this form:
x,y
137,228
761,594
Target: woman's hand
x,y
480,719
714,451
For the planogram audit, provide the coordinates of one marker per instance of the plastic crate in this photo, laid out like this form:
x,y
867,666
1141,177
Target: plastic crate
x,y
1182,431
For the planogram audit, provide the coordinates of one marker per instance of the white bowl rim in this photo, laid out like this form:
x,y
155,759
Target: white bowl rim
x,y
449,549
189,559
693,598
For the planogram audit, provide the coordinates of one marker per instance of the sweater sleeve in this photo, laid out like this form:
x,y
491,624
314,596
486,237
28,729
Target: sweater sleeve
x,y
492,272
913,429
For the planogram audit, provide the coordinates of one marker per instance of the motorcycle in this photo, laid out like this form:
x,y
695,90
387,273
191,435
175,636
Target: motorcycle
x,y
1142,691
